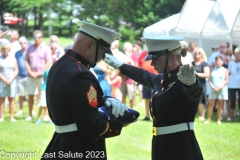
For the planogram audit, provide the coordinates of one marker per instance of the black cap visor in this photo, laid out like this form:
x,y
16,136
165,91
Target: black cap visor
x,y
155,55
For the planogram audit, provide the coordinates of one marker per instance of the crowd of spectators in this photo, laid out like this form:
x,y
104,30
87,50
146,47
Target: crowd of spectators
x,y
24,68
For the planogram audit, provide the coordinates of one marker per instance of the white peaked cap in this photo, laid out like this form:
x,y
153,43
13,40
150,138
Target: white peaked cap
x,y
161,43
97,32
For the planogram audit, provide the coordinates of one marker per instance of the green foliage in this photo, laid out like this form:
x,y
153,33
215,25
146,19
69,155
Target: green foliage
x,y
129,17
217,142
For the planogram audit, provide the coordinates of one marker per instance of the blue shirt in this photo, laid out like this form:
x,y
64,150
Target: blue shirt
x,y
45,74
22,71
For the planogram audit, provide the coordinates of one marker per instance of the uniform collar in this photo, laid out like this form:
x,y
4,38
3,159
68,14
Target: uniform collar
x,y
172,72
79,58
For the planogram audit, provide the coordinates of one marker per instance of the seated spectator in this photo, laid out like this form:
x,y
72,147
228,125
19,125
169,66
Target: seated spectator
x,y
8,86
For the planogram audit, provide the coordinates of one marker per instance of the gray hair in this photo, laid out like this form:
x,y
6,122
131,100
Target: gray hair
x,y
22,39
37,31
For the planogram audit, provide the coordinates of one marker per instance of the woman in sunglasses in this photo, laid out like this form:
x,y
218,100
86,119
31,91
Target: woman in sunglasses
x,y
202,70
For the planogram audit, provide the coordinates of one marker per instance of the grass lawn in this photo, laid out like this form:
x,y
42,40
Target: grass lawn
x,y
217,142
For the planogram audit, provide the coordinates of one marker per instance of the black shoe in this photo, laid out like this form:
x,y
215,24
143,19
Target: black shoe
x,y
146,119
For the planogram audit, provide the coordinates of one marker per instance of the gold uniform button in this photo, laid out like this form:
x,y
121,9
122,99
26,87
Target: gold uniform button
x,y
169,74
162,89
156,93
116,131
153,117
79,62
161,81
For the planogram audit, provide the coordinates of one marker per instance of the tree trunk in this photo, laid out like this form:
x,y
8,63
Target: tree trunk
x,y
40,22
60,25
25,24
49,20
35,20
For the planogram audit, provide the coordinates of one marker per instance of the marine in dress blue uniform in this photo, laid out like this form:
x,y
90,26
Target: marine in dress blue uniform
x,y
73,97
174,104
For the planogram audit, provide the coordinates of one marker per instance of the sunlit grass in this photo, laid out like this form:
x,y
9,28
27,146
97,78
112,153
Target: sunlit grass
x,y
217,142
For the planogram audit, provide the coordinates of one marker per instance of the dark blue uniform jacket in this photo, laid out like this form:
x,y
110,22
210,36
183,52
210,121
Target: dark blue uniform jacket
x,y
172,103
73,96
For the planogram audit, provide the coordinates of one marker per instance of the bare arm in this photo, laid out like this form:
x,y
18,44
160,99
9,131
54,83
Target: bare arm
x,y
226,78
205,74
47,65
115,80
28,66
15,71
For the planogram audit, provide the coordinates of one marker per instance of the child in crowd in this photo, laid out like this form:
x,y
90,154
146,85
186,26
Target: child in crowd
x,y
43,102
115,81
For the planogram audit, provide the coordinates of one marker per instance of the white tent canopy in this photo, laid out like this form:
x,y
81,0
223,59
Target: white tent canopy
x,y
204,21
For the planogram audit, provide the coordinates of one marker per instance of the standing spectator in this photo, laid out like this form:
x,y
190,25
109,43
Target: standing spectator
x,y
38,59
14,44
215,48
202,70
222,51
60,50
146,92
43,102
128,86
192,45
101,70
8,73
227,59
55,52
138,46
115,80
22,74
234,82
120,55
218,82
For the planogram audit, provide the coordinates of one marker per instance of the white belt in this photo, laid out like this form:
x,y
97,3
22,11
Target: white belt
x,y
66,128
173,129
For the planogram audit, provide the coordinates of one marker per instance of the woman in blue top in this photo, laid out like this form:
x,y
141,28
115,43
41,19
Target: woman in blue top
x,y
101,70
218,81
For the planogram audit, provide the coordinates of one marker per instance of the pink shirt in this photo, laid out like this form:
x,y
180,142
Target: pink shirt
x,y
38,56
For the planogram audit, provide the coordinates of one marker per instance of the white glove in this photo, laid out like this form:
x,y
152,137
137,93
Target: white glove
x,y
186,75
112,61
117,106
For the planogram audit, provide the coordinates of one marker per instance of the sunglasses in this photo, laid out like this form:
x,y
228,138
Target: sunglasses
x,y
35,37
197,52
223,46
